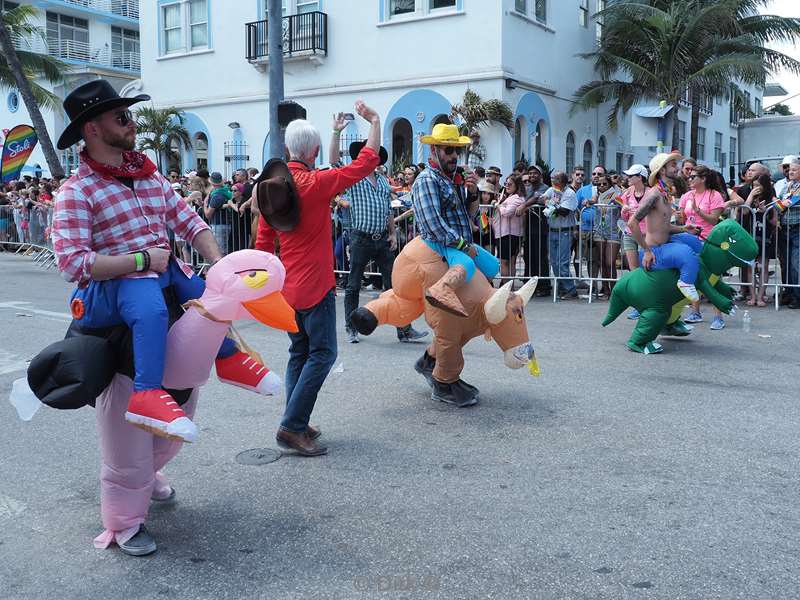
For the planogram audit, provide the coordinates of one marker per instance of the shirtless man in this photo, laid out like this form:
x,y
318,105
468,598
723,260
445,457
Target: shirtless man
x,y
666,246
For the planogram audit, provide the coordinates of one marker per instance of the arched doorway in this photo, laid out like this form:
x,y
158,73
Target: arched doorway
x,y
441,119
200,151
587,157
402,144
422,108
174,154
521,149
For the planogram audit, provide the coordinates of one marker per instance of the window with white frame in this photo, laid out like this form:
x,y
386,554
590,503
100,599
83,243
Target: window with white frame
x,y
400,8
619,163
67,37
570,158
717,148
521,6
297,7
601,6
540,11
757,107
124,47
732,151
583,13
701,143
682,136
537,8
184,26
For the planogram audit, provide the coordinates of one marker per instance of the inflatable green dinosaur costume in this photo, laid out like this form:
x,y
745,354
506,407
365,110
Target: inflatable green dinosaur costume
x,y
655,295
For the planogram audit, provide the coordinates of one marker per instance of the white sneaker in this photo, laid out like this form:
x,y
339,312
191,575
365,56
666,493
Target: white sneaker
x,y
688,290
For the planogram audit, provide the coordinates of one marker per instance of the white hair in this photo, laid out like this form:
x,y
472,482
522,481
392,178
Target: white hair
x,y
302,138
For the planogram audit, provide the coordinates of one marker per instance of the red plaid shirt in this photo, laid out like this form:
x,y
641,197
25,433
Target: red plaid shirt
x,y
95,214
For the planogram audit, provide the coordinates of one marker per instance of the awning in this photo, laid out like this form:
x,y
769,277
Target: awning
x,y
653,112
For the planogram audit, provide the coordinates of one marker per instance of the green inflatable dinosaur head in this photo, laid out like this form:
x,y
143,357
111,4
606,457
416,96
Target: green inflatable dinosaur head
x,y
728,245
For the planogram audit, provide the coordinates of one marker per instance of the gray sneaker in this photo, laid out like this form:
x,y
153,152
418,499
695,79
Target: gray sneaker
x,y
140,544
409,334
352,336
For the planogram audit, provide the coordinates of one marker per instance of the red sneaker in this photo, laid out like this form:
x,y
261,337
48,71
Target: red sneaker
x,y
242,370
157,412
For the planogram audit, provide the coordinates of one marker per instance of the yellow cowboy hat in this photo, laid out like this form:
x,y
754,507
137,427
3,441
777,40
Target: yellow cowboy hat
x,y
446,135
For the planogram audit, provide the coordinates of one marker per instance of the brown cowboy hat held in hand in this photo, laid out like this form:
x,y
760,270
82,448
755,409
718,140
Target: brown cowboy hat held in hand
x,y
276,196
87,102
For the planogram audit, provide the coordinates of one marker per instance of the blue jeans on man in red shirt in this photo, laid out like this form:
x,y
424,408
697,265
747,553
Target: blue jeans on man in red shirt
x,y
311,356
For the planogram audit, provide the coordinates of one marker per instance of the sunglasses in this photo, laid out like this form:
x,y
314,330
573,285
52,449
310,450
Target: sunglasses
x,y
124,118
451,150
598,174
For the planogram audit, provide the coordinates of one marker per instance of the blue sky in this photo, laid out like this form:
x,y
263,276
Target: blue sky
x,y
786,8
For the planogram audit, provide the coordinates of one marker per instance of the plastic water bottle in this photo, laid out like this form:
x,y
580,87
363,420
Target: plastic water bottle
x,y
746,321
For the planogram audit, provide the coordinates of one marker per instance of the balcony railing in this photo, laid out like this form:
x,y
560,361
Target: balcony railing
x,y
123,8
81,52
303,34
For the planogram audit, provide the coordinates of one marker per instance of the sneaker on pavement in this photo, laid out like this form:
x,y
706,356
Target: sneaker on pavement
x,y
352,336
693,317
571,295
157,412
141,544
717,324
409,334
688,290
243,371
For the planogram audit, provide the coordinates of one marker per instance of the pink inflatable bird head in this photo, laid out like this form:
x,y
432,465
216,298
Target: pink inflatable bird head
x,y
247,285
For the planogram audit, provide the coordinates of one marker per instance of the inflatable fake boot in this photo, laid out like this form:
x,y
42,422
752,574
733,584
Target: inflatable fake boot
x,y
157,412
442,294
244,371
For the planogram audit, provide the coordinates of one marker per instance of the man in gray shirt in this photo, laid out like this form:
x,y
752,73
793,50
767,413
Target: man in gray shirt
x,y
561,204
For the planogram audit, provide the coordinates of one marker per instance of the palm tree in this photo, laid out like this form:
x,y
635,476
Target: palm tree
x,y
21,68
653,50
157,127
473,112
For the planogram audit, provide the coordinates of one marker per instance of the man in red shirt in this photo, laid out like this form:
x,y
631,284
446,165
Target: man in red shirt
x,y
310,286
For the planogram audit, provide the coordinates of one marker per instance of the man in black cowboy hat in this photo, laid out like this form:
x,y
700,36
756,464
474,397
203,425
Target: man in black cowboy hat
x,y
372,238
110,237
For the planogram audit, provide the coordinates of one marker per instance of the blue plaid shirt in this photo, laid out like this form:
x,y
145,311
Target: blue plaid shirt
x,y
440,209
370,206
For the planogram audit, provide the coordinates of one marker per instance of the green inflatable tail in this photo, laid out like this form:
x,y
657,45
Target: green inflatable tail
x,y
616,305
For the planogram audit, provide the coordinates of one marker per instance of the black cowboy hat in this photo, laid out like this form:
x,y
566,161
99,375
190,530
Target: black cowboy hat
x,y
276,196
88,101
356,147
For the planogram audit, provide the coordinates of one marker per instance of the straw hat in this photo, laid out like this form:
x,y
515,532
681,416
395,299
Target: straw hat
x,y
446,135
485,186
660,161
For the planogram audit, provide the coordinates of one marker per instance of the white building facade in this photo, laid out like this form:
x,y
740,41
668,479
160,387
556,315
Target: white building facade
x,y
95,39
411,60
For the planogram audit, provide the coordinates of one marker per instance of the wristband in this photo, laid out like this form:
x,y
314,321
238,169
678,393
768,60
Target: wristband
x,y
139,258
146,255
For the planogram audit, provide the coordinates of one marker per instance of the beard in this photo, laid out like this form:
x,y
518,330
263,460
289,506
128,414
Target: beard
x,y
126,141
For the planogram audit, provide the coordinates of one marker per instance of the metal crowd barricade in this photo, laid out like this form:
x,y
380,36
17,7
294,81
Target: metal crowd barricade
x,y
27,232
232,230
780,248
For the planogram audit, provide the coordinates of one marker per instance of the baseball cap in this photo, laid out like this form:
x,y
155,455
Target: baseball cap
x,y
789,159
637,169
215,177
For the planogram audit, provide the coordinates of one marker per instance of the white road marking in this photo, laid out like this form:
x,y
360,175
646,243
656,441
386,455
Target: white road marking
x,y
11,363
10,507
26,307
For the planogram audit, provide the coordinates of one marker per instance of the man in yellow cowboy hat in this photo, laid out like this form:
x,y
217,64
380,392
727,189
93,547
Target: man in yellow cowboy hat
x,y
440,199
666,246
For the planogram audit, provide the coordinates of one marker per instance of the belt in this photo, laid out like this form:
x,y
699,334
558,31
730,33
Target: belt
x,y
373,236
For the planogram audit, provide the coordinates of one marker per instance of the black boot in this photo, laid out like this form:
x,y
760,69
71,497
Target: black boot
x,y
363,321
456,394
425,365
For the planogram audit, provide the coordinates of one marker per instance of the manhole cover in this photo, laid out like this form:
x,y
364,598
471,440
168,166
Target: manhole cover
x,y
258,456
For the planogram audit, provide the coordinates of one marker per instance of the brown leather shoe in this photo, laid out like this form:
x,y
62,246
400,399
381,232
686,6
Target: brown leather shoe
x,y
299,442
313,432
442,294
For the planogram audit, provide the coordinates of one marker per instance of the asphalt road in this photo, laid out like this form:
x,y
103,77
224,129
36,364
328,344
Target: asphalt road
x,y
613,475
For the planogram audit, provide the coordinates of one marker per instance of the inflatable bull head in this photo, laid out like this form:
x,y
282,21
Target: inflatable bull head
x,y
505,315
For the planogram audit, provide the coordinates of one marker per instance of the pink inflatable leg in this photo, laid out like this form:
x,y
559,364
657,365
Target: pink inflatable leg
x,y
130,460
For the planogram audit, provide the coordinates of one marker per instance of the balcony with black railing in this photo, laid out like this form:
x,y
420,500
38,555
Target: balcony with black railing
x,y
304,34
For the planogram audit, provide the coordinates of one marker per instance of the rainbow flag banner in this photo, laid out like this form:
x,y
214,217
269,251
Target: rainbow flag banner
x,y
18,146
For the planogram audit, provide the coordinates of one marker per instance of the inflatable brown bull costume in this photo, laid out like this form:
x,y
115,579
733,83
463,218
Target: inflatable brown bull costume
x,y
447,278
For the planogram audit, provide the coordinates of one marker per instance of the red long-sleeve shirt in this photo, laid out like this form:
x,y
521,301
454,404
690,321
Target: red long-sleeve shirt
x,y
307,250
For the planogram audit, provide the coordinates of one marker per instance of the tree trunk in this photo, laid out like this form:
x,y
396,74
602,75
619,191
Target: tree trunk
x,y
695,124
24,86
676,130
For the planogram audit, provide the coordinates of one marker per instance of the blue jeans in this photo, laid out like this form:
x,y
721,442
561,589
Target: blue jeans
x,y
793,276
221,234
560,251
311,355
139,304
681,252
487,263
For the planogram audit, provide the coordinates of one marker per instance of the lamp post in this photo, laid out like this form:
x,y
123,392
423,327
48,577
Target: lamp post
x,y
275,52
